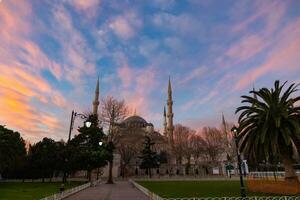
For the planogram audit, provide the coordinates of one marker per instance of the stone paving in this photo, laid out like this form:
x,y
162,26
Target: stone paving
x,y
121,190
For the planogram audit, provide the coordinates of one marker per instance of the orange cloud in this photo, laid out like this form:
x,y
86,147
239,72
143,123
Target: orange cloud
x,y
16,108
21,85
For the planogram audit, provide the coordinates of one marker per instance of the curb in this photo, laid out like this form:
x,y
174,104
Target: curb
x,y
71,191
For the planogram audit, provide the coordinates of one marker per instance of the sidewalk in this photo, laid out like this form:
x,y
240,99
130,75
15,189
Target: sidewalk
x,y
121,190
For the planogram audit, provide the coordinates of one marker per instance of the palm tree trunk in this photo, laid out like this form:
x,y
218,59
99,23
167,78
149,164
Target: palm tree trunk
x,y
297,148
290,173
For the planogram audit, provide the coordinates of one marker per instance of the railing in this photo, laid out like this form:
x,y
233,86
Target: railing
x,y
153,196
70,191
272,175
238,198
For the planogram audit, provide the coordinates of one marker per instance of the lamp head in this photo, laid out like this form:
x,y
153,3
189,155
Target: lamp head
x,y
100,143
234,130
88,124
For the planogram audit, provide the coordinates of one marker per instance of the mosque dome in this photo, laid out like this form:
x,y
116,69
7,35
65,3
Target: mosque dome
x,y
135,119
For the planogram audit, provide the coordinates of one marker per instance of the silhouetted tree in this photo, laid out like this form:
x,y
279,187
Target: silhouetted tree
x,y
44,158
149,157
112,112
90,154
269,124
12,150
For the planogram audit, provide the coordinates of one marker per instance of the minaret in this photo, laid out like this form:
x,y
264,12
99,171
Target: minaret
x,y
170,126
96,100
165,122
224,124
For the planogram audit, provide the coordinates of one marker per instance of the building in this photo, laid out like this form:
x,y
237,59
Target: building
x,y
130,134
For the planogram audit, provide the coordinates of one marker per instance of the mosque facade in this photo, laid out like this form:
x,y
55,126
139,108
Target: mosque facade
x,y
131,134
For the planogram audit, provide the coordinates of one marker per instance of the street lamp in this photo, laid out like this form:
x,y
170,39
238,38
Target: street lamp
x,y
73,116
234,130
88,124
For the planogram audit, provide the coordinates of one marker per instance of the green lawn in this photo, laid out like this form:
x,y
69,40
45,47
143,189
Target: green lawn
x,y
173,189
31,191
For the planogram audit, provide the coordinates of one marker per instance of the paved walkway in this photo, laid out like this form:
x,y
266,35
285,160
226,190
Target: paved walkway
x,y
121,190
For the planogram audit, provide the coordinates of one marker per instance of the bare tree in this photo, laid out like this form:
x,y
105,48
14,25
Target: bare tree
x,y
182,143
112,112
214,143
198,146
127,152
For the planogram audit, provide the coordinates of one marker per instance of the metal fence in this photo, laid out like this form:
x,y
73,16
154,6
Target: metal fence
x,y
70,191
147,192
269,175
238,198
153,196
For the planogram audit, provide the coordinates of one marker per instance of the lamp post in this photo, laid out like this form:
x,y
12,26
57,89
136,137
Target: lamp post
x,y
234,130
73,116
87,123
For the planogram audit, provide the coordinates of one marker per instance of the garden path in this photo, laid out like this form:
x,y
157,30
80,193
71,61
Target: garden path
x,y
121,190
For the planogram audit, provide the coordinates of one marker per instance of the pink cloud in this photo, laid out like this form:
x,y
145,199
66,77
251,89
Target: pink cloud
x,y
125,26
197,73
126,75
255,42
84,4
79,60
284,57
246,48
136,88
122,28
269,11
196,102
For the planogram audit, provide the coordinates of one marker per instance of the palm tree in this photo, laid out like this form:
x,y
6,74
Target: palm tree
x,y
269,125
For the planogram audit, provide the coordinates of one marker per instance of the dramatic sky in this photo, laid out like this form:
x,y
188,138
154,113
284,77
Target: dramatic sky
x,y
51,52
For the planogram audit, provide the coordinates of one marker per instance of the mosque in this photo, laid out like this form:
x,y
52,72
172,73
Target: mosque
x,y
131,134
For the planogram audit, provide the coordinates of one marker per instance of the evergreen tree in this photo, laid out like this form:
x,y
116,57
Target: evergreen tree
x,y
149,158
90,154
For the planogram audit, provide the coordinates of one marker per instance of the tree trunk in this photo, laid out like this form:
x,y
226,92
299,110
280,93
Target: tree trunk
x,y
89,174
50,180
110,179
150,174
290,173
98,173
64,179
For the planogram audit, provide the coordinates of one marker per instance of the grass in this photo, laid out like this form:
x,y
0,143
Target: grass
x,y
177,189
31,191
